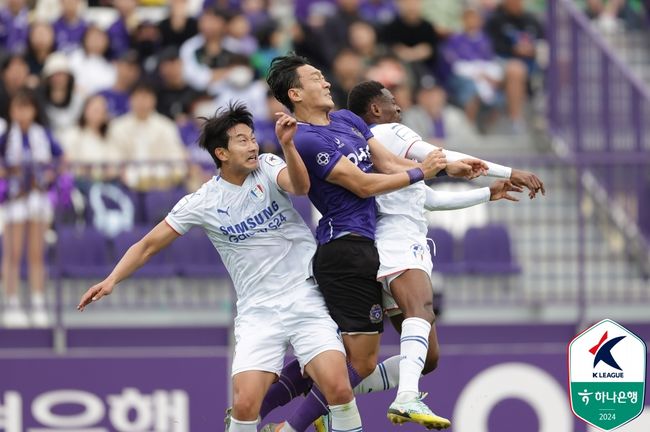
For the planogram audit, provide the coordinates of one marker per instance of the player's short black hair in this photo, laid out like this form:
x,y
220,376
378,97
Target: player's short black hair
x,y
362,95
283,76
214,132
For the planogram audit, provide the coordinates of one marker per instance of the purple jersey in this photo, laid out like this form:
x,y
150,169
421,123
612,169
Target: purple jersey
x,y
14,30
321,147
68,35
464,46
117,102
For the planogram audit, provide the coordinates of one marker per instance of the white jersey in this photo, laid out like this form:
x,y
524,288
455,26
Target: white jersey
x,y
409,201
262,240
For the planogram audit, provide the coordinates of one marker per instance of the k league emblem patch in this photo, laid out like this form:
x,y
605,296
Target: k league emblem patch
x,y
607,375
258,192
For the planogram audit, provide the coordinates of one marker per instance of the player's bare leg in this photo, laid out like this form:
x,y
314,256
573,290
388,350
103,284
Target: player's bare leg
x,y
249,389
414,295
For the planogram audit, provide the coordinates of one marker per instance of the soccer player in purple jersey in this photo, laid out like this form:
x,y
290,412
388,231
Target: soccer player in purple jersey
x,y
340,154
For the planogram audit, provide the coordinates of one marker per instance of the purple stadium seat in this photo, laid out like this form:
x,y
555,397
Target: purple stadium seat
x,y
81,253
303,205
194,256
160,265
158,203
487,251
444,260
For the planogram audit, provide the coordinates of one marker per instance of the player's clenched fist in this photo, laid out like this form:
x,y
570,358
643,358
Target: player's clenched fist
x,y
285,128
434,163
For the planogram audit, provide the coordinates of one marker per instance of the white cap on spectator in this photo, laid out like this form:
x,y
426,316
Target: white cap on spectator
x,y
55,62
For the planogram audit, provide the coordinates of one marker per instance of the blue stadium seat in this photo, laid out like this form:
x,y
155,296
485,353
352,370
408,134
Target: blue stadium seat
x,y
81,253
160,265
444,260
487,250
195,257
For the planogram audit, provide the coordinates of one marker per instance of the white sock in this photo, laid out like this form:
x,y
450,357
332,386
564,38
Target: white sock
x,y
384,377
13,301
346,418
242,425
38,301
286,427
414,344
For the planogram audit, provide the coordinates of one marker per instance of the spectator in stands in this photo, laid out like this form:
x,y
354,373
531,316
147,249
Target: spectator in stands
x,y
178,26
146,42
435,120
205,59
347,71
240,85
413,39
14,73
121,31
201,166
239,39
87,146
40,45
70,28
127,73
257,12
26,151
363,40
476,73
150,141
14,26
174,94
90,66
63,104
515,34
335,33
378,12
271,42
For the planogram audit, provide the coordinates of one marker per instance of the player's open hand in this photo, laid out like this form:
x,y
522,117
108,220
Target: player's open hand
x,y
529,180
95,293
500,188
467,168
434,163
285,128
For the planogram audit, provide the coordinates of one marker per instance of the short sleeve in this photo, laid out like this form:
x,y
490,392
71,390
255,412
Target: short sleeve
x,y
319,154
396,137
271,165
187,212
359,124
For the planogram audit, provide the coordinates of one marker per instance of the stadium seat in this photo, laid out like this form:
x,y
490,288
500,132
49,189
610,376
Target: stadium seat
x,y
444,260
644,208
158,203
81,253
303,205
487,250
195,257
160,265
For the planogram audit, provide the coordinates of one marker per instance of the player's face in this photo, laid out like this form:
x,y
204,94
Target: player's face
x,y
315,90
242,148
390,111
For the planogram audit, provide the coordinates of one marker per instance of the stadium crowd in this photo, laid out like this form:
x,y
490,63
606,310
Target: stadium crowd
x,y
115,91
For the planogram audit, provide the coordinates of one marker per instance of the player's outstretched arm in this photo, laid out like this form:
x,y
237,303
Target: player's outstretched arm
x,y
364,185
387,162
419,149
295,178
446,200
157,239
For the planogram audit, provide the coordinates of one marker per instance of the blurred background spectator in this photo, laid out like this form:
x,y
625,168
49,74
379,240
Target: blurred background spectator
x,y
70,27
63,103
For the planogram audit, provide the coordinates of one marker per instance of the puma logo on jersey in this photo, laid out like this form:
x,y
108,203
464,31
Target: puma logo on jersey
x,y
226,211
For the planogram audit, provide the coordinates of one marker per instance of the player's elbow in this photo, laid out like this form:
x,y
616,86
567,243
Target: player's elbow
x,y
364,191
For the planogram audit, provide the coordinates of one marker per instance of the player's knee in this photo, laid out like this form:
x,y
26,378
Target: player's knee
x,y
245,407
423,311
364,366
339,392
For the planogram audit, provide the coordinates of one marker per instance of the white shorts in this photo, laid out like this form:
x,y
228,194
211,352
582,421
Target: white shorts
x,y
263,334
400,250
35,206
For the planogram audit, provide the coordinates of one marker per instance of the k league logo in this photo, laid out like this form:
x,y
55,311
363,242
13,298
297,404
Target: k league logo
x,y
607,374
322,158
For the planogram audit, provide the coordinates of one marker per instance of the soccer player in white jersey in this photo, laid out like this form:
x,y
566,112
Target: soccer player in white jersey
x,y
267,249
405,260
